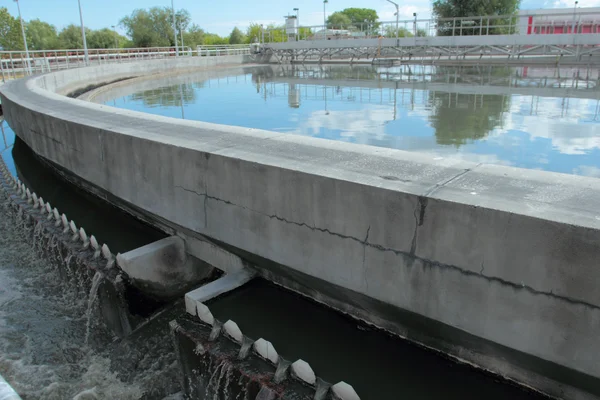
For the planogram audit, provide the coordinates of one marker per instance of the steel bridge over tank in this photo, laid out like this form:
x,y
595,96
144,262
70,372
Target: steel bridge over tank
x,y
555,36
575,47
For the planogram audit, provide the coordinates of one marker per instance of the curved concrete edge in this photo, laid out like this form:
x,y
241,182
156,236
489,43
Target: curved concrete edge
x,y
487,250
6,391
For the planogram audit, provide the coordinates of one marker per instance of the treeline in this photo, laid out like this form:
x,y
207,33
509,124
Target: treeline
x,y
144,28
44,36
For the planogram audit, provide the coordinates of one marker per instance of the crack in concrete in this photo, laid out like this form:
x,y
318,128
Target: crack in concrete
x,y
364,262
437,186
409,255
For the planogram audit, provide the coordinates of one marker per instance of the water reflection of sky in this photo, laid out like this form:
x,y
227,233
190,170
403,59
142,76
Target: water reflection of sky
x,y
527,131
7,140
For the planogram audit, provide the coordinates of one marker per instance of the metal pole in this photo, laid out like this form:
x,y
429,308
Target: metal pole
x,y
415,24
85,49
116,42
298,22
174,29
24,38
574,16
397,16
325,18
181,34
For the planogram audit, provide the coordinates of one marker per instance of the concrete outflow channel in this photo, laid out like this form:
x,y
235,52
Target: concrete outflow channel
x,y
490,265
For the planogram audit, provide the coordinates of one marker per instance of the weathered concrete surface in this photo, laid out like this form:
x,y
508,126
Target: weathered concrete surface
x,y
216,288
163,268
489,260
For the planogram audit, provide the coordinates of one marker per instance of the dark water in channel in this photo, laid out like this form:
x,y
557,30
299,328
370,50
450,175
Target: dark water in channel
x,y
42,325
531,117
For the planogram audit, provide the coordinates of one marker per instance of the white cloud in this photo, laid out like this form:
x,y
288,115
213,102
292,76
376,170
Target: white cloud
x,y
555,120
587,170
363,125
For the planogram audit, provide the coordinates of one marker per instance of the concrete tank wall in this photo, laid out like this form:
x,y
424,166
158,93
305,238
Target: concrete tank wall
x,y
491,264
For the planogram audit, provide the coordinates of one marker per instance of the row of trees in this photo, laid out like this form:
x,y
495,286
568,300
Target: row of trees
x,y
153,27
444,10
44,36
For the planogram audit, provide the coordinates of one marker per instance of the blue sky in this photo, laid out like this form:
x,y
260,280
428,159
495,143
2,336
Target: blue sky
x,y
221,16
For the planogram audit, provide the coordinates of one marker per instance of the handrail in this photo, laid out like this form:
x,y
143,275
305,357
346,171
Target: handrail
x,y
515,24
15,64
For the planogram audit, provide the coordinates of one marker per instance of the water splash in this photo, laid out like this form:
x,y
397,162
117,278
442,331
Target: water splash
x,y
216,330
91,300
281,372
322,389
245,348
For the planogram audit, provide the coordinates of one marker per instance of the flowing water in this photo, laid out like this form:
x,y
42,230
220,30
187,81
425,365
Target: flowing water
x,y
530,117
52,346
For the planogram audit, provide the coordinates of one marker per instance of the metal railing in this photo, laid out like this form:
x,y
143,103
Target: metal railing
x,y
578,22
223,50
16,64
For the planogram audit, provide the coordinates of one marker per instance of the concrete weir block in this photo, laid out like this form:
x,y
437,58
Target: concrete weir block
x,y
227,283
163,269
344,391
265,349
304,372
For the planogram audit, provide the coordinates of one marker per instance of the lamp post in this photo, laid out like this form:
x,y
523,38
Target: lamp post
x,y
415,24
174,29
24,38
115,32
325,17
298,21
397,16
574,16
85,49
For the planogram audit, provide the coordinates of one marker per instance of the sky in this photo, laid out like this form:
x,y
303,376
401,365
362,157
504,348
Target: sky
x,y
223,15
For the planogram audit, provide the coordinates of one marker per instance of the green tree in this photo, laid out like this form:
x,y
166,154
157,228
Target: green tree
x,y
154,27
104,39
443,9
214,39
390,32
70,37
275,33
236,37
360,18
194,36
254,33
41,35
339,20
11,37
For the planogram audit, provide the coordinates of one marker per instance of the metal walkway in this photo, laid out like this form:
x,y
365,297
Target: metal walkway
x,y
572,36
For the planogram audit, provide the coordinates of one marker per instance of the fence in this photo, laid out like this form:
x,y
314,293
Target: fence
x,y
224,50
17,64
558,22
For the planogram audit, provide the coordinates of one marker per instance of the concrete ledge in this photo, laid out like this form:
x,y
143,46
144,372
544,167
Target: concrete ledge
x,y
503,254
163,268
216,288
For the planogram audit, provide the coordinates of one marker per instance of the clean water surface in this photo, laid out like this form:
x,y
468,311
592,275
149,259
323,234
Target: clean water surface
x,y
538,118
